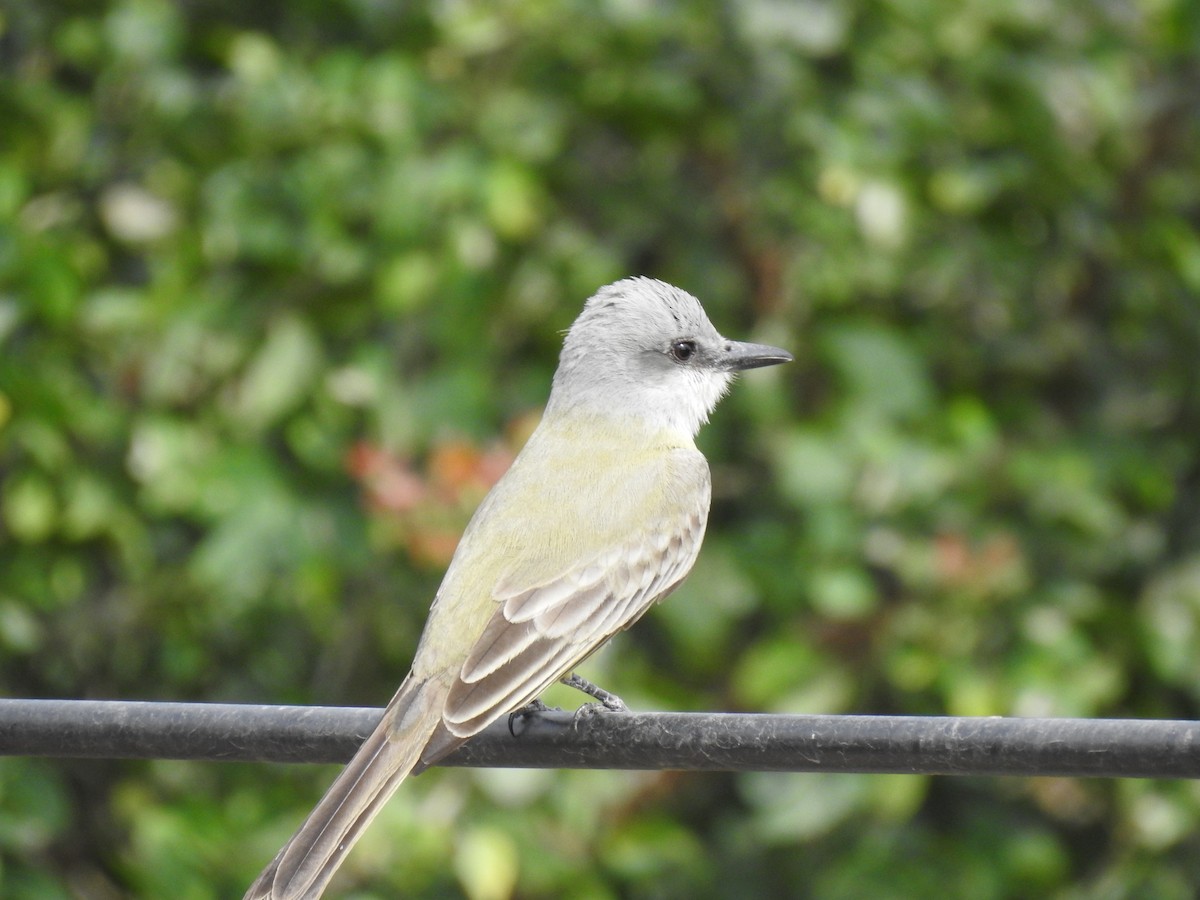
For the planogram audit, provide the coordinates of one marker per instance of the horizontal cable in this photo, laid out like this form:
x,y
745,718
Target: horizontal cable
x,y
1130,748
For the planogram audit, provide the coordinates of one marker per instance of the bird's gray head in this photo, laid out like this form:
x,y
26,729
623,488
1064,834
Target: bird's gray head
x,y
645,349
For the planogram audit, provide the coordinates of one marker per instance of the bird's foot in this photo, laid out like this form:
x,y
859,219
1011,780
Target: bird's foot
x,y
591,711
607,700
529,709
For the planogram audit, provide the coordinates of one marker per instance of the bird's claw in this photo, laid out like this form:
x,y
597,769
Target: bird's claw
x,y
531,708
599,708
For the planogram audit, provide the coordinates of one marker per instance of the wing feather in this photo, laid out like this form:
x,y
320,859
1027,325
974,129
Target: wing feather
x,y
469,699
537,636
532,603
515,693
500,642
572,615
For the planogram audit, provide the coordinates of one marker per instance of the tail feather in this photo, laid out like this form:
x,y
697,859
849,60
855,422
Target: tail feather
x,y
307,862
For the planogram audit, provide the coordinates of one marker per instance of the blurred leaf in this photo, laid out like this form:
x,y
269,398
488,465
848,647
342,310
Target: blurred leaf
x,y
1172,623
486,863
882,373
280,375
30,508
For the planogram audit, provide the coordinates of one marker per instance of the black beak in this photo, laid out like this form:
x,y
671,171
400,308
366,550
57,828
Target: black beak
x,y
735,356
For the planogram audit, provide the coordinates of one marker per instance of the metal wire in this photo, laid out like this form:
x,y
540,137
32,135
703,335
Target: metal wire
x,y
1128,748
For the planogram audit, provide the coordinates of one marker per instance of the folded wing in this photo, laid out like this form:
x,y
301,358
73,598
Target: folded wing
x,y
538,635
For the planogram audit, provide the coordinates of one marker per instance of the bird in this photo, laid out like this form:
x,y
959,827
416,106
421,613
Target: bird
x,y
600,516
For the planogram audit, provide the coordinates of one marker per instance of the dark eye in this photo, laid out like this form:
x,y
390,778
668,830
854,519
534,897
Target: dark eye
x,y
683,350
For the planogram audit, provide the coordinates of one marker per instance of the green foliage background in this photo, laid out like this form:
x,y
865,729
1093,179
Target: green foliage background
x,y
246,247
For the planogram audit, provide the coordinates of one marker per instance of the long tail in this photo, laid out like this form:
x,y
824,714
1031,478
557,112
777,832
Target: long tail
x,y
307,862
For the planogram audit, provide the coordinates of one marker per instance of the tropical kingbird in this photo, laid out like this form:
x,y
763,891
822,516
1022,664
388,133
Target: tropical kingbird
x,y
600,516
